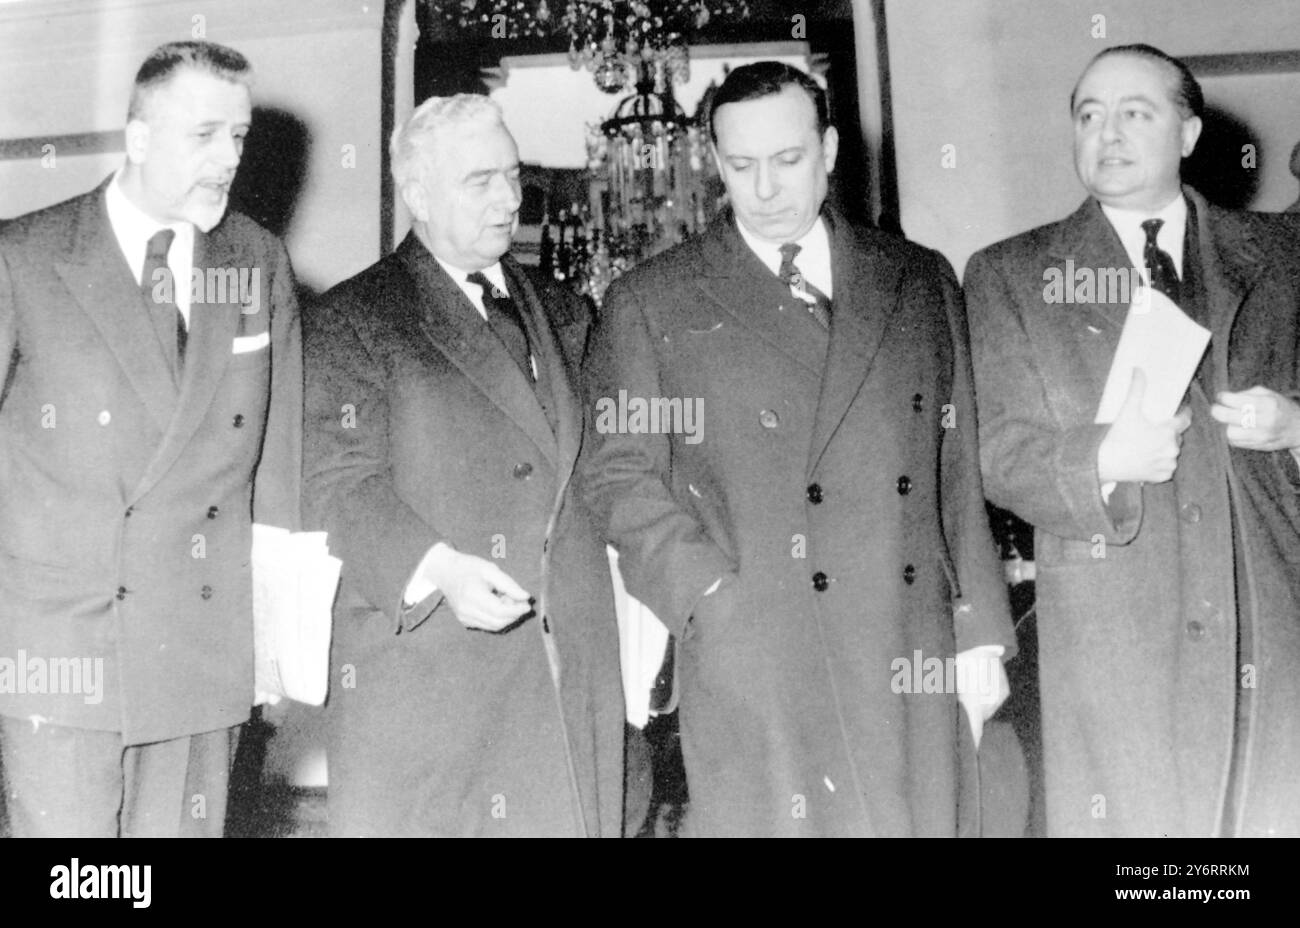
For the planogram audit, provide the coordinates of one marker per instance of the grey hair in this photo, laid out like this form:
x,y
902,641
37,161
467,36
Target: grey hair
x,y
413,141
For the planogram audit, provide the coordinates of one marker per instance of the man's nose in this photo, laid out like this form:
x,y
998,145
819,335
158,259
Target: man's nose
x,y
1110,128
228,150
508,194
765,186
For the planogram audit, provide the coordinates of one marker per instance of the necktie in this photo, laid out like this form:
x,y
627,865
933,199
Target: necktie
x,y
503,316
820,305
1164,278
156,270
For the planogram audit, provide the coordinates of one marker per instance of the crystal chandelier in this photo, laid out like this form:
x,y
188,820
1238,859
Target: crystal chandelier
x,y
612,39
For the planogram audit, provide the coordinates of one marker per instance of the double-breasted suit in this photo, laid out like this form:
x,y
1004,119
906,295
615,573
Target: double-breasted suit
x,y
127,495
1169,644
421,428
834,489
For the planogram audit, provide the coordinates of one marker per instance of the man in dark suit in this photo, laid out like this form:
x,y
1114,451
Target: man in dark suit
x,y
151,409
477,688
815,533
1168,549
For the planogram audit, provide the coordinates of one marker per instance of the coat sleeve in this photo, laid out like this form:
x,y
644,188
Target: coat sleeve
x,y
981,613
348,481
277,483
666,557
1044,472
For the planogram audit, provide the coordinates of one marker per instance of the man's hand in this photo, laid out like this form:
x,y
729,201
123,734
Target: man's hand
x,y
480,593
1259,419
1137,449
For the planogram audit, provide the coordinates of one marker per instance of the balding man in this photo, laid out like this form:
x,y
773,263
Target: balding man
x,y
476,688
1168,549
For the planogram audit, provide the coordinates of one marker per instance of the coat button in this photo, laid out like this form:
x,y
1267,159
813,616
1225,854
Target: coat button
x,y
815,493
523,471
1195,630
904,486
769,419
206,592
1190,512
104,418
909,574
121,592
212,512
129,510
239,420
820,582
917,405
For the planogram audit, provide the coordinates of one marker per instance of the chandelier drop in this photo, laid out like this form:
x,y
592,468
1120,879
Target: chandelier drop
x,y
610,38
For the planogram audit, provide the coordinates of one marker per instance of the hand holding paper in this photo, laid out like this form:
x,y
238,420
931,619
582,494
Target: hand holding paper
x,y
1153,366
1138,449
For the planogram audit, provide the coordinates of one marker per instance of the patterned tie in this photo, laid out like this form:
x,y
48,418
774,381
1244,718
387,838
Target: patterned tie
x,y
156,270
820,304
1164,277
503,316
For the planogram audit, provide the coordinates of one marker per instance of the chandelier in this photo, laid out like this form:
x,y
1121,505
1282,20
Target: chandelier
x,y
613,39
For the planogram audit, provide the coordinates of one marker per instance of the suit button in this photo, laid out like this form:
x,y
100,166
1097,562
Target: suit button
x,y
212,512
917,405
820,582
904,486
206,592
909,574
239,420
129,510
1190,512
121,592
104,418
523,471
815,493
769,419
1195,630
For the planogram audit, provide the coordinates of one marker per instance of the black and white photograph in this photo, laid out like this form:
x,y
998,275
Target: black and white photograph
x,y
651,418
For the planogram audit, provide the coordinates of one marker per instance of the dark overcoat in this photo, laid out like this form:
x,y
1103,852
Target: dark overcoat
x,y
421,428
833,485
1168,619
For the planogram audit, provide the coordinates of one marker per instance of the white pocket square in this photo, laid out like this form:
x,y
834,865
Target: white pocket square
x,y
246,343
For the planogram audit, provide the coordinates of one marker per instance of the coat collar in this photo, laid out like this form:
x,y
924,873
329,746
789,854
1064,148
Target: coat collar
x,y
866,284
456,329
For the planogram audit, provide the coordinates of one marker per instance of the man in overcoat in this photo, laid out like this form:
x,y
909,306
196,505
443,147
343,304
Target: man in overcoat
x,y
476,687
1168,550
782,448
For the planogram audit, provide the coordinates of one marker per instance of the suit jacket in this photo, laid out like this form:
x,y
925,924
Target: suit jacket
x,y
421,428
845,520
1168,641
126,499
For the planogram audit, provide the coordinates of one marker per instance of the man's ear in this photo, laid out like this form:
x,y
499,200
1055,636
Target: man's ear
x,y
830,147
137,141
416,200
1191,132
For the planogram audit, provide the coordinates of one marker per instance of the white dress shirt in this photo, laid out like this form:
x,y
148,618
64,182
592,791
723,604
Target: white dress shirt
x,y
133,228
813,259
1127,224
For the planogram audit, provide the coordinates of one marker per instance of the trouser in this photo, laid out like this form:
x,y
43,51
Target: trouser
x,y
77,782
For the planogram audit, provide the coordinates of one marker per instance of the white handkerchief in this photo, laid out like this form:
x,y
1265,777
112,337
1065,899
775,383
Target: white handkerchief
x,y
1162,340
245,343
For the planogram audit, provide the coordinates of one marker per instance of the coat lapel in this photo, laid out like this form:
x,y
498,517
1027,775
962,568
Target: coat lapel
x,y
97,275
1088,240
733,277
453,325
1231,264
866,295
207,354
549,355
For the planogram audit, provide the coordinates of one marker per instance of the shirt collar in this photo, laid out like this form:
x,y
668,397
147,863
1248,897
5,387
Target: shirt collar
x,y
133,227
492,272
1127,224
813,260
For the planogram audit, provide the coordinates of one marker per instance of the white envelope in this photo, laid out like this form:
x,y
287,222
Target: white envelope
x,y
243,344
